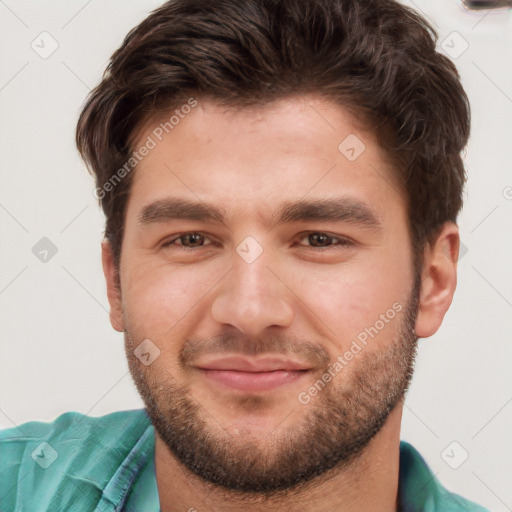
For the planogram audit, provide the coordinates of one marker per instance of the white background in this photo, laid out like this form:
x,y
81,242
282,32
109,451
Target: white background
x,y
58,351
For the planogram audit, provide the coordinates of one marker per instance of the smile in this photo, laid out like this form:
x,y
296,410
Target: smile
x,y
252,374
253,381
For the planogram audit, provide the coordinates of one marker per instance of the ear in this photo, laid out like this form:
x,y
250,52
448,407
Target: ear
x,y
438,280
113,290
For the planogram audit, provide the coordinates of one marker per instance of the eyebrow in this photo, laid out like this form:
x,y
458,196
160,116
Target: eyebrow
x,y
343,209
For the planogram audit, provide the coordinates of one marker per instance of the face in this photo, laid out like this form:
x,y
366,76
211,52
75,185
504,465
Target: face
x,y
267,291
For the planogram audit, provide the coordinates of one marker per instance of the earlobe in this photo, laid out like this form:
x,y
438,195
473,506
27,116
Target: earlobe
x,y
438,280
113,291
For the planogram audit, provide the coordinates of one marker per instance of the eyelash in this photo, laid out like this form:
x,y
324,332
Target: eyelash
x,y
341,241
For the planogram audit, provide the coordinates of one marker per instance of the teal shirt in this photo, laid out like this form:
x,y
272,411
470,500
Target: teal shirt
x,y
105,464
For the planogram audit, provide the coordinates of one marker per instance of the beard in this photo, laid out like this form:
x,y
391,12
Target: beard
x,y
332,430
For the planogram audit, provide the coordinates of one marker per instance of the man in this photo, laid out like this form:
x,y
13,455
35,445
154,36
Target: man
x,y
281,181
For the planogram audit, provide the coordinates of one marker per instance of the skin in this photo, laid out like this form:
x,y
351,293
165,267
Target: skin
x,y
247,162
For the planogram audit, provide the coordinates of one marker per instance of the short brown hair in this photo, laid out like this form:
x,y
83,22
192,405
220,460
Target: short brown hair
x,y
376,58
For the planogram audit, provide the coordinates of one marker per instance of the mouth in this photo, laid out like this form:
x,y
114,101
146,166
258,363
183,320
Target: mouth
x,y
252,374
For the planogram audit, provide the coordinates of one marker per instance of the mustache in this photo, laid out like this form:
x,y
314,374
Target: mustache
x,y
308,352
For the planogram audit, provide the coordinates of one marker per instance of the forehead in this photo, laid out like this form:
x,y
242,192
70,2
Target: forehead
x,y
252,159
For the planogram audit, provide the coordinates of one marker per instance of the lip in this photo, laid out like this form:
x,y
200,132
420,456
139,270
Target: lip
x,y
251,365
252,374
253,382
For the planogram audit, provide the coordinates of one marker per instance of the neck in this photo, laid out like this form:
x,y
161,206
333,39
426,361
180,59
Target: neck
x,y
369,483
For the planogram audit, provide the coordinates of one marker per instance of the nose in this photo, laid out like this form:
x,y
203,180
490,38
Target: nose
x,y
252,297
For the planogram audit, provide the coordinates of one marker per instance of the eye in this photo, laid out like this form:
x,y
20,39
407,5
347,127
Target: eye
x,y
188,240
324,241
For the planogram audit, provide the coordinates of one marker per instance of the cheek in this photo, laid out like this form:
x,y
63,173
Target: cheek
x,y
351,297
157,297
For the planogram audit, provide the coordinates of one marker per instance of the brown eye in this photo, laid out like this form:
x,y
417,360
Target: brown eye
x,y
192,239
323,240
188,240
319,240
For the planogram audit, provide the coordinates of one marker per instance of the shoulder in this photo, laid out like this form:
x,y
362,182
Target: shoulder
x,y
75,451
75,429
421,491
